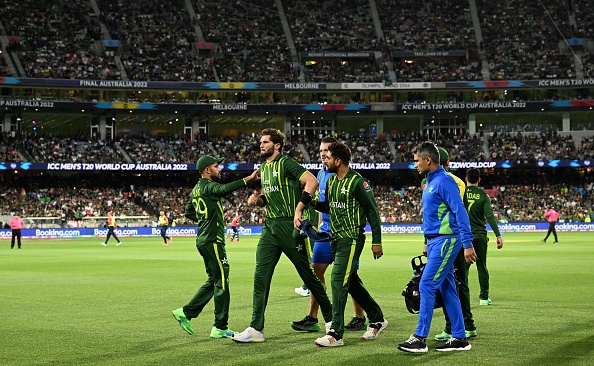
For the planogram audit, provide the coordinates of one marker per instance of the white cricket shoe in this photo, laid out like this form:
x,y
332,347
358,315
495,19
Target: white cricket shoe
x,y
329,340
374,329
104,244
303,291
250,335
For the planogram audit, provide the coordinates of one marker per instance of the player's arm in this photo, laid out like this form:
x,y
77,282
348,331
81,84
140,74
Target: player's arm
x,y
365,196
190,211
448,189
488,209
221,190
323,206
317,199
310,185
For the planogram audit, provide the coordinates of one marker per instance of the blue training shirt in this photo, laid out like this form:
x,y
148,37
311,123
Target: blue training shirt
x,y
323,176
443,209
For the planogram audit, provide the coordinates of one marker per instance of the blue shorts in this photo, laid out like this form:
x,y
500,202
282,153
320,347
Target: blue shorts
x,y
322,253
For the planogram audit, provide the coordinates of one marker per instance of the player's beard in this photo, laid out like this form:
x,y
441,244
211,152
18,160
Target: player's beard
x,y
215,178
267,153
331,168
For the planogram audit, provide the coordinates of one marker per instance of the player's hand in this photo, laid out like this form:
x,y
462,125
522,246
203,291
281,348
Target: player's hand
x,y
254,177
470,255
425,250
297,220
377,250
254,198
499,243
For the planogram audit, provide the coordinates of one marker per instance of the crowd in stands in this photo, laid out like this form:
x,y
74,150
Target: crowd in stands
x,y
527,202
162,149
450,29
56,39
522,41
8,147
251,41
68,203
337,26
157,40
390,146
547,145
511,203
246,42
77,149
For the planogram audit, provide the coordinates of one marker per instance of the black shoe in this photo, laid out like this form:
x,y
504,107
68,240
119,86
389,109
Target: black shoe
x,y
414,344
454,344
356,324
308,324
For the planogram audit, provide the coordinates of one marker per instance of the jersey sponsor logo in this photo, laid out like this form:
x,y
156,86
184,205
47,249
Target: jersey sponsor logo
x,y
271,189
337,204
366,186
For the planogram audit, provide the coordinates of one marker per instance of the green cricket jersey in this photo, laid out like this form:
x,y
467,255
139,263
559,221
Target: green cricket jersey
x,y
480,211
350,202
281,186
205,207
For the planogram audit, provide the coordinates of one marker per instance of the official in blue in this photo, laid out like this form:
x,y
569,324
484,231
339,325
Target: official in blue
x,y
447,230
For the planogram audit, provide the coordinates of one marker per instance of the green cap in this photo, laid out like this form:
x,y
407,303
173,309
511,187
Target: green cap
x,y
443,155
205,161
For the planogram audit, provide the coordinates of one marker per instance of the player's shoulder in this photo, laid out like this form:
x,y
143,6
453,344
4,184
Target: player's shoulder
x,y
358,179
478,190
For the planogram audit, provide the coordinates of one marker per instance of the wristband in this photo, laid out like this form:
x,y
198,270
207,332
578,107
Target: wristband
x,y
306,198
263,198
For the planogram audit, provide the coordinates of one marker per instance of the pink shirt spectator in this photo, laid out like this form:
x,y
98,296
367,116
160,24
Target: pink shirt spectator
x,y
551,215
16,223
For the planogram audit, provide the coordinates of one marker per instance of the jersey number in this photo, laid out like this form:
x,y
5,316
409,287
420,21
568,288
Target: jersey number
x,y
470,203
201,210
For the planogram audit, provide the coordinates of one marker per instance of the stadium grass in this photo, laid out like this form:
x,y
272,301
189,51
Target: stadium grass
x,y
75,302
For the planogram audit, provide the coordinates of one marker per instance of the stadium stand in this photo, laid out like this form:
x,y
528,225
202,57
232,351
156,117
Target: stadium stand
x,y
194,41
512,202
388,147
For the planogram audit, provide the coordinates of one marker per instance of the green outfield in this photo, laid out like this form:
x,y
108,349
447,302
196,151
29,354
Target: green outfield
x,y
75,302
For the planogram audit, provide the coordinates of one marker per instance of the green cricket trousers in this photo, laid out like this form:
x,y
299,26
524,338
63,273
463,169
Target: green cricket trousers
x,y
345,280
480,247
217,285
279,236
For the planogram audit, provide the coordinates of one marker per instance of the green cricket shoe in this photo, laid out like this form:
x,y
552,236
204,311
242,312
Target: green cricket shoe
x,y
183,321
444,336
470,333
485,302
308,324
221,333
